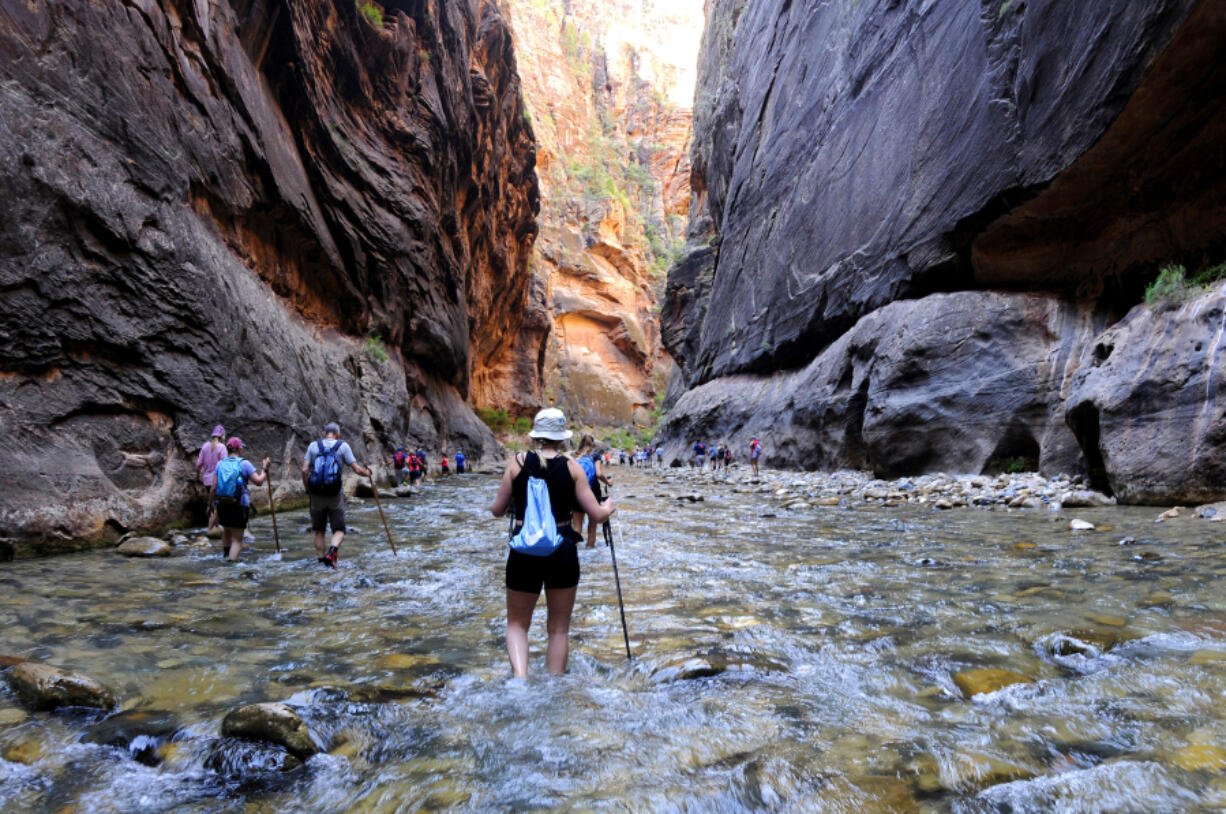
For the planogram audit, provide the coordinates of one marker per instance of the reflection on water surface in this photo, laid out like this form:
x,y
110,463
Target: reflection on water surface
x,y
805,662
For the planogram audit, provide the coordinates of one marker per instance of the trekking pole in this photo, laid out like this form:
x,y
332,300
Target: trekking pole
x,y
382,516
276,536
621,606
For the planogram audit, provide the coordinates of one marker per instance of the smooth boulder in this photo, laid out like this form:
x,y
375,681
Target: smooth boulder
x,y
144,547
274,723
45,687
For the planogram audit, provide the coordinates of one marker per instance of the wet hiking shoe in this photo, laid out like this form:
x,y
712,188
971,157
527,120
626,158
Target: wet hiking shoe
x,y
332,557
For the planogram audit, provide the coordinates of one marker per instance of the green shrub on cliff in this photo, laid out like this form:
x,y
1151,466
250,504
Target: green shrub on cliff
x,y
496,420
1170,286
372,13
374,349
1173,286
1210,276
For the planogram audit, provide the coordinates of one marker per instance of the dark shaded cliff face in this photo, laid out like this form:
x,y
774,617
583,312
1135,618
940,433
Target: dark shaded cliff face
x,y
856,154
210,207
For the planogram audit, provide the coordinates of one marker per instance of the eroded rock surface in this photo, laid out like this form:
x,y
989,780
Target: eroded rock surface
x,y
852,162
211,207
953,382
1149,402
610,89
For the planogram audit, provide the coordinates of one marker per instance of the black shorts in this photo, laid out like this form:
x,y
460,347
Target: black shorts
x,y
326,516
232,515
559,570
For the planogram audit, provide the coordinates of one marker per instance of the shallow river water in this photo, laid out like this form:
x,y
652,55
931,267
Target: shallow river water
x,y
803,662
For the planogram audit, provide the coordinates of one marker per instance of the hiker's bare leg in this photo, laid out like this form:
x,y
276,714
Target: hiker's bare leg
x,y
233,540
560,602
338,537
319,544
519,618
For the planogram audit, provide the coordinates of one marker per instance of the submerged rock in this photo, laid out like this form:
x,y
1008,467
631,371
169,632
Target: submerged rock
x,y
140,732
144,547
985,680
26,751
45,687
232,757
273,723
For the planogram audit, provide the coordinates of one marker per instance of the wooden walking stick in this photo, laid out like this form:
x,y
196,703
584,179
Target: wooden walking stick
x,y
382,516
276,535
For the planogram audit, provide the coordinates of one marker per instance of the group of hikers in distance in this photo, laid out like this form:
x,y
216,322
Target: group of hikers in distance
x,y
410,467
720,456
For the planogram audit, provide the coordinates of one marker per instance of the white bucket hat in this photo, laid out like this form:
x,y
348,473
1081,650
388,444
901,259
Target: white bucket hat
x,y
550,423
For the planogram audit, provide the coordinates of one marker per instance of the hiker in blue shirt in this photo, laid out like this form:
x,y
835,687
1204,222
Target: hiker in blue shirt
x,y
229,495
459,462
593,469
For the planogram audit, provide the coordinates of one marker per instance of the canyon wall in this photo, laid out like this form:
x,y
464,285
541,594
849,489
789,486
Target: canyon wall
x,y
608,86
262,214
919,238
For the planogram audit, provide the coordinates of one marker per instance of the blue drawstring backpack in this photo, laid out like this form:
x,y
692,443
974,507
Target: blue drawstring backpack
x,y
229,480
539,535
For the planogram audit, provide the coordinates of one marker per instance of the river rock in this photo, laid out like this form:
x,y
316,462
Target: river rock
x,y
236,758
984,680
1085,498
45,687
1212,511
1077,524
271,722
140,732
27,751
144,547
12,715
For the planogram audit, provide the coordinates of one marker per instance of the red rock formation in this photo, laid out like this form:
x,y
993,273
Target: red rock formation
x,y
608,86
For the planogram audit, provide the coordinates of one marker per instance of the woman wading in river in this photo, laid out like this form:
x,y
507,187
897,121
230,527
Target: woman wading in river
x,y
558,572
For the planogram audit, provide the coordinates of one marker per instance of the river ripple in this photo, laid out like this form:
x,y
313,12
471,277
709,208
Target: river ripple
x,y
803,662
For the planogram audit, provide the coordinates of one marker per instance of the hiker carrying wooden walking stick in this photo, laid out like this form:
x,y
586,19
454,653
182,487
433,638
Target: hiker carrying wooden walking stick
x,y
321,475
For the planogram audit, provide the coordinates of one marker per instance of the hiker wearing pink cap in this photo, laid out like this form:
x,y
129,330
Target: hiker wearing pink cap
x,y
229,497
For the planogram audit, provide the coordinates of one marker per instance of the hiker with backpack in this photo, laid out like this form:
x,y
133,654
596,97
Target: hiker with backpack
x,y
400,466
593,471
211,454
321,475
755,450
228,495
541,487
